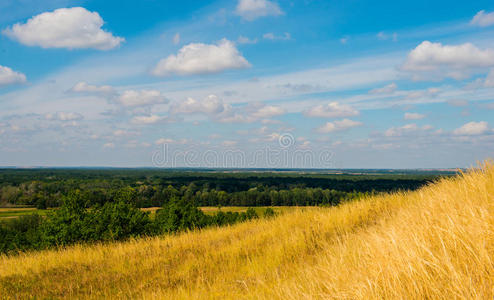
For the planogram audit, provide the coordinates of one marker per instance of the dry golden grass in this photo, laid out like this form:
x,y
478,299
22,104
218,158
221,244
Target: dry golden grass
x,y
435,243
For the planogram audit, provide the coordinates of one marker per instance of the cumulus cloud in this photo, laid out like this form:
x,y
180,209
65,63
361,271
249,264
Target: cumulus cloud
x,y
413,116
209,105
198,58
483,19
406,130
145,120
252,9
64,116
455,61
132,98
340,125
250,113
71,28
219,111
332,110
84,87
473,128
388,89
9,76
267,111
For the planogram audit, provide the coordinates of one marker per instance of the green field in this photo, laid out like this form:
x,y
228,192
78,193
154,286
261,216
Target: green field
x,y
14,212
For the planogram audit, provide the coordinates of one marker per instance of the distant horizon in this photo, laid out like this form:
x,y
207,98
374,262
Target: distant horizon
x,y
229,169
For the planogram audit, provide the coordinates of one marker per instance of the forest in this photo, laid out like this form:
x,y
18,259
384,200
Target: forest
x,y
44,188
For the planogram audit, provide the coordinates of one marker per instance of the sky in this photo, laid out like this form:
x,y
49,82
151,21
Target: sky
x,y
246,83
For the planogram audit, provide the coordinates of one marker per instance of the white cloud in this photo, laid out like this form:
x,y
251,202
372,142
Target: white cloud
x,y
483,19
9,76
332,110
473,128
252,9
250,113
176,39
72,28
344,40
455,61
267,111
388,89
407,130
198,58
163,141
84,87
245,40
141,98
144,120
64,116
210,105
340,125
271,36
413,116
222,112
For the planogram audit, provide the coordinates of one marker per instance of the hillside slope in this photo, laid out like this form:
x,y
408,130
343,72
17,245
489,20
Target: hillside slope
x,y
436,243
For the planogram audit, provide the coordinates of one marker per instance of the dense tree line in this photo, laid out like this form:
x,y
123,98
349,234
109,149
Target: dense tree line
x,y
73,223
45,188
152,196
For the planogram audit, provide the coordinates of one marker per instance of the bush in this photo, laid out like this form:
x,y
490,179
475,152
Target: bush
x,y
20,234
178,215
116,221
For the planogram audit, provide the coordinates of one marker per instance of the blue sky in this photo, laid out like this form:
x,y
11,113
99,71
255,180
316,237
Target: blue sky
x,y
246,83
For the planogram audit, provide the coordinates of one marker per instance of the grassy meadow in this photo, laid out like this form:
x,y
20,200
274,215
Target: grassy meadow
x,y
433,243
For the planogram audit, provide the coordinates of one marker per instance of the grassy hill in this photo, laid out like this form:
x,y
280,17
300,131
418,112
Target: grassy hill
x,y
435,243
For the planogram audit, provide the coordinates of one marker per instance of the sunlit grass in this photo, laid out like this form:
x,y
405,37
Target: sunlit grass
x,y
435,243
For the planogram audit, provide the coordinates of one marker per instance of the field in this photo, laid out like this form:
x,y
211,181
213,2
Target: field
x,y
433,243
14,212
8,213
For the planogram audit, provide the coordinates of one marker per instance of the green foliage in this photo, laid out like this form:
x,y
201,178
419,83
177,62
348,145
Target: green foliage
x,y
67,224
20,234
117,221
178,215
